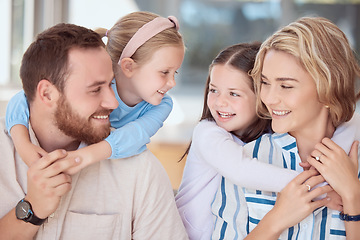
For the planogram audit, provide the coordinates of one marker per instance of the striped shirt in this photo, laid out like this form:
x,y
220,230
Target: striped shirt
x,y
238,210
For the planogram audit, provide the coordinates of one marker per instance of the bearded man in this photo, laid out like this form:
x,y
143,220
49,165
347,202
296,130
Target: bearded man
x,y
67,74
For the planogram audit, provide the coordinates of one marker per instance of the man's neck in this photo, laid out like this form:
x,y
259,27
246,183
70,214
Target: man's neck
x,y
49,136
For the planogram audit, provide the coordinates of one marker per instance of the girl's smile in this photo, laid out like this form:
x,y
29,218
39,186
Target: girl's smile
x,y
231,100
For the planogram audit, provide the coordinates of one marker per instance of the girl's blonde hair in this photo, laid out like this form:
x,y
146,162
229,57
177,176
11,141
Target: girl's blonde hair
x,y
325,53
123,30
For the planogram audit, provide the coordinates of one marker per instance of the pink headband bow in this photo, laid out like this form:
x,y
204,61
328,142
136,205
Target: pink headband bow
x,y
146,32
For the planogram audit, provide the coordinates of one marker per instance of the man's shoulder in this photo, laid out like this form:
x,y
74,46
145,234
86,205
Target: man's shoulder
x,y
142,165
141,160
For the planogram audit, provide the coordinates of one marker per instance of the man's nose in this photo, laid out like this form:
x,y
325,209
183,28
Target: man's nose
x,y
109,100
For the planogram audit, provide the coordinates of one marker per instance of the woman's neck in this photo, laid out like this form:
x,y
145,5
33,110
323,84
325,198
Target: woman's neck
x,y
306,139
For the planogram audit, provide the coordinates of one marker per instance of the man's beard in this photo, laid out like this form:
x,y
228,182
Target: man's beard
x,y
77,127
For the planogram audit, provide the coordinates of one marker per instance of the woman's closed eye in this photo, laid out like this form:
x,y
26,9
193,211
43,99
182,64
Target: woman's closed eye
x,y
286,86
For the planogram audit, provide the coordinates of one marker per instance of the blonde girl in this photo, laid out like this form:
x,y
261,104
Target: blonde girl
x,y
305,76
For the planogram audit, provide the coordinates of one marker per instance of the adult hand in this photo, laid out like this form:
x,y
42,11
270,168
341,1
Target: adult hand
x,y
295,201
339,169
47,182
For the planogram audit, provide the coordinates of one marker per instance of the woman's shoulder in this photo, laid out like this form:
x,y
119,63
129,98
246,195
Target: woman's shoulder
x,y
347,133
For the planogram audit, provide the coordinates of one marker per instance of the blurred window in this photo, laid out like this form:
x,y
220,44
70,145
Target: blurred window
x,y
207,26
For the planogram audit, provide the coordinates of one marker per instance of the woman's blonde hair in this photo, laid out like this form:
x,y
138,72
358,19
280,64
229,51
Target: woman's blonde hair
x,y
123,30
325,53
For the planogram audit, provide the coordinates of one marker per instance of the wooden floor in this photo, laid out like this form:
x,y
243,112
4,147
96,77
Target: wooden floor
x,y
169,155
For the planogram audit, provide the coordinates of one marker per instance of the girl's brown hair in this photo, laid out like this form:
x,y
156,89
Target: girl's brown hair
x,y
241,57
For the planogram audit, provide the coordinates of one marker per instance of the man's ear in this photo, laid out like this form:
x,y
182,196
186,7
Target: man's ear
x,y
127,66
47,92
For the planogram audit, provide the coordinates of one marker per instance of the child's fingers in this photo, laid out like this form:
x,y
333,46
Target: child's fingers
x,y
318,192
41,151
50,158
314,181
319,203
73,170
60,166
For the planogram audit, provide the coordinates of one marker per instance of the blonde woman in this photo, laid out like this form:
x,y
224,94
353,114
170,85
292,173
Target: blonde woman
x,y
305,77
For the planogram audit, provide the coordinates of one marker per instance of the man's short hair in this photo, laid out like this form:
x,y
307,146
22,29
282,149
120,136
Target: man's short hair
x,y
47,57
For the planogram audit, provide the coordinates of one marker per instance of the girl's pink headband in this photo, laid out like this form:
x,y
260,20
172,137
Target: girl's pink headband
x,y
146,32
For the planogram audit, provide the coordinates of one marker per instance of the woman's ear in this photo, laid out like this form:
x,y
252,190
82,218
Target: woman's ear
x,y
127,66
47,92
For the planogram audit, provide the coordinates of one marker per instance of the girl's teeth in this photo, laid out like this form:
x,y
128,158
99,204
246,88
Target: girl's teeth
x,y
101,117
159,91
225,115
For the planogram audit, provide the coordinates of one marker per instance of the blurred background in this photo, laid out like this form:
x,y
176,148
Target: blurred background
x,y
206,25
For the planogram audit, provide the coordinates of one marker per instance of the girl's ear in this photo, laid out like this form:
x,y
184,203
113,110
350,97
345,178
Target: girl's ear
x,y
127,66
47,92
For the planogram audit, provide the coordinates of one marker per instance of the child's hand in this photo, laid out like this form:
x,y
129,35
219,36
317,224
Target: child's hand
x,y
335,201
89,155
29,153
76,155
